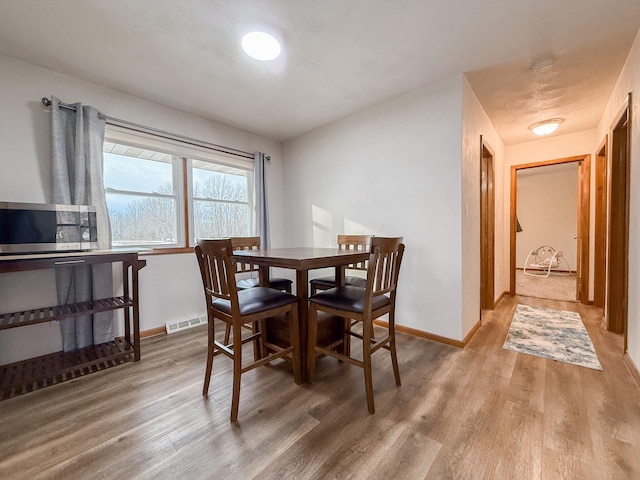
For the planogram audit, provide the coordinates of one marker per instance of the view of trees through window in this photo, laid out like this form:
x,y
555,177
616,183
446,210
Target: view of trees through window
x,y
220,201
145,202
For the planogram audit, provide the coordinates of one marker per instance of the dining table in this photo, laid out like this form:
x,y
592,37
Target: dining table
x,y
302,260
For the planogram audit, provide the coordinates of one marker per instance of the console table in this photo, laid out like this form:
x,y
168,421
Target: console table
x,y
39,372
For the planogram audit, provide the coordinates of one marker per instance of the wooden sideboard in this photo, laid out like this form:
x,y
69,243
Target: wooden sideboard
x,y
39,372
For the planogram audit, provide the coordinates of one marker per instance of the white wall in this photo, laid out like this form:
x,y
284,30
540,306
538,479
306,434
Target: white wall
x,y
170,286
392,170
475,123
629,81
548,212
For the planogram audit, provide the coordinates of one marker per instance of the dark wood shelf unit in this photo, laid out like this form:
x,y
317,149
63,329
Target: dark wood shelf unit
x,y
49,314
39,372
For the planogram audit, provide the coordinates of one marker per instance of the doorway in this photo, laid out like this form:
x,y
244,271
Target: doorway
x,y
581,260
616,309
487,228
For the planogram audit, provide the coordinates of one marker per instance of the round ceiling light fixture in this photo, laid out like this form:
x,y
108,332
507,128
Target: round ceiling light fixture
x,y
261,46
547,127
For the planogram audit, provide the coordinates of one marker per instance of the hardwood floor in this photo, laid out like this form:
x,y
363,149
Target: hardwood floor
x,y
476,413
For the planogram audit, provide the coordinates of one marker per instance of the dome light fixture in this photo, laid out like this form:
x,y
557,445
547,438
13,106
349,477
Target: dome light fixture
x,y
261,46
547,127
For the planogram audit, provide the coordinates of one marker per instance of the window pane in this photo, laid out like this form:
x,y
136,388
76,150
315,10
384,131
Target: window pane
x,y
219,182
140,196
142,220
139,174
217,219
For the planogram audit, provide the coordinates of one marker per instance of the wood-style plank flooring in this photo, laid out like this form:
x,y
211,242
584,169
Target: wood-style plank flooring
x,y
481,412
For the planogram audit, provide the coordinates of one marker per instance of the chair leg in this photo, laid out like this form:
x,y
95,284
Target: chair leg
x,y
210,352
392,347
294,339
311,343
258,344
227,334
366,360
394,359
346,337
237,370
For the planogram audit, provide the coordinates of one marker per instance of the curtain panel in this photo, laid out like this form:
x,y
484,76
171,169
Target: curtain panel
x,y
262,216
77,136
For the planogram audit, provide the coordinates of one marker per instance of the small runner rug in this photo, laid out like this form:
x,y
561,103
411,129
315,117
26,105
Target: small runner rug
x,y
554,334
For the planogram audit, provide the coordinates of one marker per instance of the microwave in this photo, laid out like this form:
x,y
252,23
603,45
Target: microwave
x,y
37,227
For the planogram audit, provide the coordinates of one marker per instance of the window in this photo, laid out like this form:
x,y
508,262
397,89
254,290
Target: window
x,y
158,196
221,205
141,196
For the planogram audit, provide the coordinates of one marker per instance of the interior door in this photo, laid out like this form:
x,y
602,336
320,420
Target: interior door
x,y
618,245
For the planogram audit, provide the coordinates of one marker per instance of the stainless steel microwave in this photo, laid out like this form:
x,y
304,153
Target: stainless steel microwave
x,y
38,227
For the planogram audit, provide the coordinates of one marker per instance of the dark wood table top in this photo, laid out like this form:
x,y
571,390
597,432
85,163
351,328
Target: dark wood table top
x,y
301,258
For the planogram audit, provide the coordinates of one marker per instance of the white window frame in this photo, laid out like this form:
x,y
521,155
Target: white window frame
x,y
183,155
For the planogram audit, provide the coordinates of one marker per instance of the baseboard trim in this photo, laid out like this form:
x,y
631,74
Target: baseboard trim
x,y
502,295
633,369
152,332
429,336
471,333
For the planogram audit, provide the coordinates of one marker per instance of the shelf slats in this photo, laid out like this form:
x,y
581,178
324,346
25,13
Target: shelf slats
x,y
49,314
39,372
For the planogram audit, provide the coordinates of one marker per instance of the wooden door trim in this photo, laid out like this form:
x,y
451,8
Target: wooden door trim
x,y
601,168
619,325
487,245
584,209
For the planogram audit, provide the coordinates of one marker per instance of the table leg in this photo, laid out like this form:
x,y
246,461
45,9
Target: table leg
x,y
263,276
345,348
259,350
302,289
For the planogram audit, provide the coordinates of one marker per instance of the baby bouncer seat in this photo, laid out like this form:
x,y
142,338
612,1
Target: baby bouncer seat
x,y
542,261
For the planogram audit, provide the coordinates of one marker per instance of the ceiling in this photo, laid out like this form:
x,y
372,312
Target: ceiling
x,y
339,57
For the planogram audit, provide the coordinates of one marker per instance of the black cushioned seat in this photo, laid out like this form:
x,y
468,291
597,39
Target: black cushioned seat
x,y
330,282
348,298
255,300
283,284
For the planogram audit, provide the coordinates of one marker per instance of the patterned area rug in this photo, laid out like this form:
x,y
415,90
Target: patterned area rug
x,y
554,334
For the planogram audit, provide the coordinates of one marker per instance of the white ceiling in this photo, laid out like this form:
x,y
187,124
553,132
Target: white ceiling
x,y
340,56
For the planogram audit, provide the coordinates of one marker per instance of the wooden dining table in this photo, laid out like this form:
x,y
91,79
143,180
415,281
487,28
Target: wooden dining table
x,y
302,260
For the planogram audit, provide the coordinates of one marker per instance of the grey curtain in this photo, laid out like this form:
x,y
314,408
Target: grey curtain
x,y
262,217
76,172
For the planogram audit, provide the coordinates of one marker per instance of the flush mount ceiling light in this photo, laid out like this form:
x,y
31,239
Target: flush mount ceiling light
x,y
547,127
261,46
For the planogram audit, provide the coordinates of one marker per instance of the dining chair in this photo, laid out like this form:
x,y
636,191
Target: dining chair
x,y
239,307
253,243
346,242
362,305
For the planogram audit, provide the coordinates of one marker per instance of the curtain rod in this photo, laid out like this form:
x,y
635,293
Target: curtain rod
x,y
117,122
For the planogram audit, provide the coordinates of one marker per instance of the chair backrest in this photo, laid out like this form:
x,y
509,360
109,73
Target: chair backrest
x,y
384,265
360,243
245,243
217,269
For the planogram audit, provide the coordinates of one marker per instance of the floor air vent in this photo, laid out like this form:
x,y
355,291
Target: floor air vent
x,y
174,327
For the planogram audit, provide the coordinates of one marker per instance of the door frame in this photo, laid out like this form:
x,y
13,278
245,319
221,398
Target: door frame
x,y
601,202
621,268
582,270
487,226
